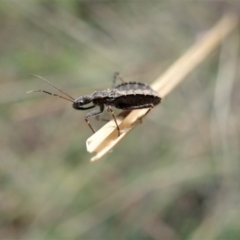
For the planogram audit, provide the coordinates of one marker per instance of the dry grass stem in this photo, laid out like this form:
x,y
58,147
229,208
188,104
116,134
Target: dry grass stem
x,y
107,137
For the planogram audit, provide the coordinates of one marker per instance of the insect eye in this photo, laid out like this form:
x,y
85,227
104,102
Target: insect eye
x,y
80,102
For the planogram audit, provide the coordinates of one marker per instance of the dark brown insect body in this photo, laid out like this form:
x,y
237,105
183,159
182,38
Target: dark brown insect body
x,y
125,96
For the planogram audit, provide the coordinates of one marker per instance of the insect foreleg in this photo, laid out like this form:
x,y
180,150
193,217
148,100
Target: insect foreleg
x,y
92,114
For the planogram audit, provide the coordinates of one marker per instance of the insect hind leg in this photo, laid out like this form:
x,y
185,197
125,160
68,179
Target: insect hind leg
x,y
150,106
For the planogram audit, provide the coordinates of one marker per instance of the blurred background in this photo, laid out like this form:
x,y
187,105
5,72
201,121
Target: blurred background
x,y
176,176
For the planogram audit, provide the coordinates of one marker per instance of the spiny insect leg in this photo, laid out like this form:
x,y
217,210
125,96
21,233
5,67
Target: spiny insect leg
x,y
92,114
109,109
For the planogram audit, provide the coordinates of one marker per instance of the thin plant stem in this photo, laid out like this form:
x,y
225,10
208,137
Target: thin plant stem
x,y
107,137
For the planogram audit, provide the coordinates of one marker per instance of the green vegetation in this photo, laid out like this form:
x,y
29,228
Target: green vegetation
x,y
176,176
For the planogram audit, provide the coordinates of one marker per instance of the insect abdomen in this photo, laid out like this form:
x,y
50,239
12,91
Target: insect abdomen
x,y
134,101
126,86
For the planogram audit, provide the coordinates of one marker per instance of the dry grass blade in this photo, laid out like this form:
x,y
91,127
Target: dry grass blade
x,y
107,137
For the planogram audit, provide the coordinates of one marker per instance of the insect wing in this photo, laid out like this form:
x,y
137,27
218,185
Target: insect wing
x,y
132,86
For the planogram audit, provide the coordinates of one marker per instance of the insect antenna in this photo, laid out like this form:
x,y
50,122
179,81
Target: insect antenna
x,y
44,79
53,94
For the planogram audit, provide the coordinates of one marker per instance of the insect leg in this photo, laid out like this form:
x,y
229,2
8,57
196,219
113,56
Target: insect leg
x,y
140,119
109,109
148,105
93,113
115,77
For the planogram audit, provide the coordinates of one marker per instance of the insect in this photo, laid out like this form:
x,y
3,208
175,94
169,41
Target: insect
x,y
125,96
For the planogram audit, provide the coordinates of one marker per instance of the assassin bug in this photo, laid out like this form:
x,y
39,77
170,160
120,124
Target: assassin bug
x,y
125,96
